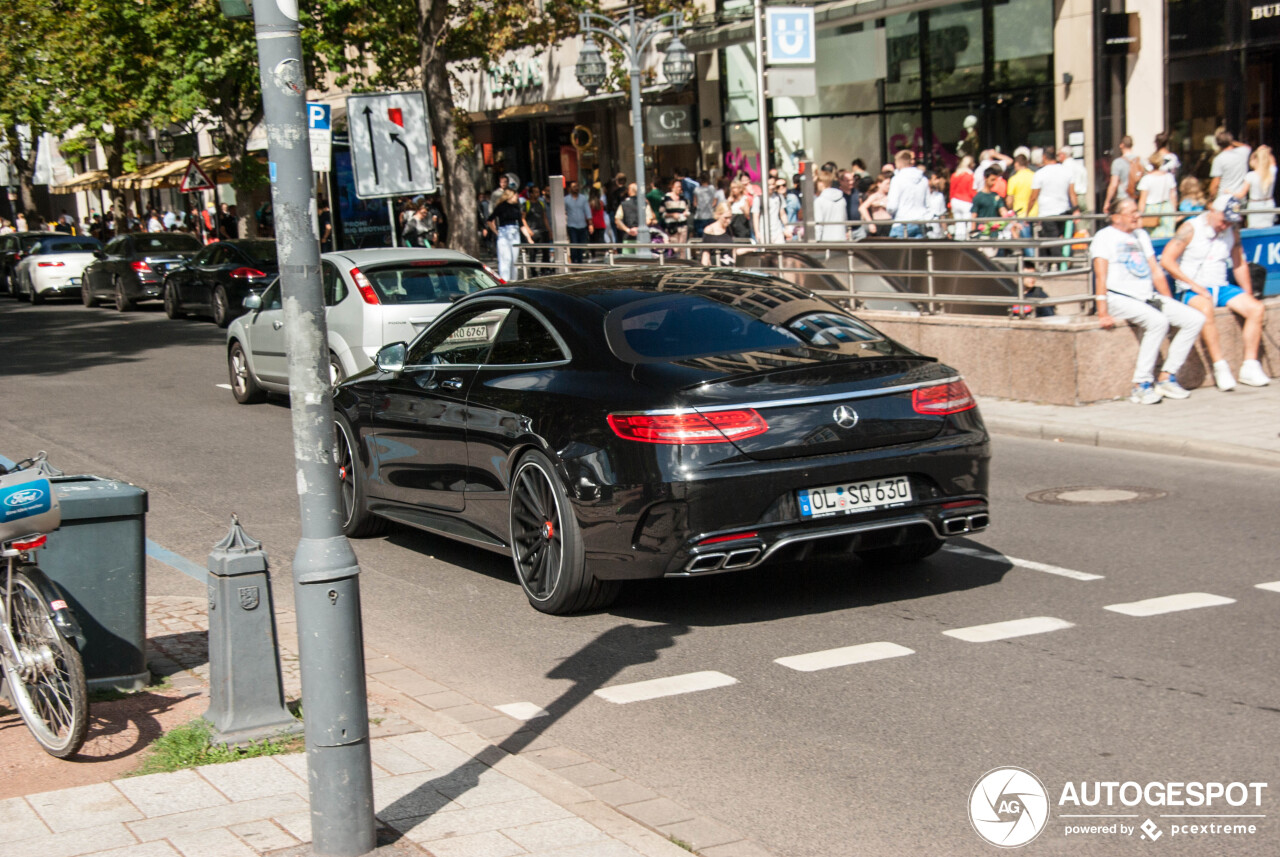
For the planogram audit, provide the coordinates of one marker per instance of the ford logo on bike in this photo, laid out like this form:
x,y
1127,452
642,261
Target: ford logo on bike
x,y
25,497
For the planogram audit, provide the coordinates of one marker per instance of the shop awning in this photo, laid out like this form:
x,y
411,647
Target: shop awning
x,y
170,173
92,180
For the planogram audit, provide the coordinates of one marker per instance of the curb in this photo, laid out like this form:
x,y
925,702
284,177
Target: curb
x,y
1136,441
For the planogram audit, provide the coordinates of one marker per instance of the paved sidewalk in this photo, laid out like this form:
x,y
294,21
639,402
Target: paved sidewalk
x,y
1242,426
445,783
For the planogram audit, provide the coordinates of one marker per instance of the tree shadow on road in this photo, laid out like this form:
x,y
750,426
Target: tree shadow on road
x,y
54,340
588,670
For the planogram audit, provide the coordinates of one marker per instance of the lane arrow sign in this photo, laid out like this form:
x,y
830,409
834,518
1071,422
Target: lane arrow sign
x,y
408,161
373,149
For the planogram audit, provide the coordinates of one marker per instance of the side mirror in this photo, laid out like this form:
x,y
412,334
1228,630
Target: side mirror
x,y
390,358
99,254
252,302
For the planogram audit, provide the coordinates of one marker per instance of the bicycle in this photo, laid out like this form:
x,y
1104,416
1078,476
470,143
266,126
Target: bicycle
x,y
39,654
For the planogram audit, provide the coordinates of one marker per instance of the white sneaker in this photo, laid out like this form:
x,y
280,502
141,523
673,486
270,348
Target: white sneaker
x,y
1222,376
1171,389
1251,373
1145,393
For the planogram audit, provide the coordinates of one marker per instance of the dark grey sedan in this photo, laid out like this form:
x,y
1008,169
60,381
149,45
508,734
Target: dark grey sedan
x,y
132,267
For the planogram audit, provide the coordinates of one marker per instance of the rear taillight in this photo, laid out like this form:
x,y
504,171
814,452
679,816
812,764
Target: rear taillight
x,y
943,399
365,287
715,427
246,273
140,267
49,264
28,544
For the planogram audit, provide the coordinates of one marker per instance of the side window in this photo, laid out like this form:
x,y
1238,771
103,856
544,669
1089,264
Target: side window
x,y
524,339
462,340
271,297
6,244
116,247
335,288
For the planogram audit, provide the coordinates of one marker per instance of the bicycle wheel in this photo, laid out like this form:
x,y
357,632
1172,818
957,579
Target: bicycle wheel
x,y
45,675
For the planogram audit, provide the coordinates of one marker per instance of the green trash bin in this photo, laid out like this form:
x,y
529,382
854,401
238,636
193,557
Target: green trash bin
x,y
98,557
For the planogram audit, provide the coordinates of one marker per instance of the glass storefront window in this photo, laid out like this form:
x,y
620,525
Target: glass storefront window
x,y
902,61
956,48
1196,25
850,61
1023,43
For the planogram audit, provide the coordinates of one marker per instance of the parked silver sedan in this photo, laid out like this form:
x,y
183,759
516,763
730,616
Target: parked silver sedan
x,y
372,297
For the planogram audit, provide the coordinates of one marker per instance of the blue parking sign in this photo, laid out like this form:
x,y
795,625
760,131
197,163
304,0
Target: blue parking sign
x,y
791,35
317,116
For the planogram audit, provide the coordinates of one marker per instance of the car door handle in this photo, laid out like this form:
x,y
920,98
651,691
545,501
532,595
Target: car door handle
x,y
276,325
452,384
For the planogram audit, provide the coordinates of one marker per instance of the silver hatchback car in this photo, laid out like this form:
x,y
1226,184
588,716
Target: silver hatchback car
x,y
371,297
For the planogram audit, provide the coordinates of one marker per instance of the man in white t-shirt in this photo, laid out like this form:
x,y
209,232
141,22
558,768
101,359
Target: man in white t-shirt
x,y
1230,166
1198,257
1131,287
1053,189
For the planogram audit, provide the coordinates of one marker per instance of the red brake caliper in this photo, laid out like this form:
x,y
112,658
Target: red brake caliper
x,y
549,531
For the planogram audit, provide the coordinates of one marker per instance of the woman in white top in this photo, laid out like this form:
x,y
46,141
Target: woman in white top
x,y
1158,198
1261,185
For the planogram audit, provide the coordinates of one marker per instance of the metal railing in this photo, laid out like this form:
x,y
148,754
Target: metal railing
x,y
846,263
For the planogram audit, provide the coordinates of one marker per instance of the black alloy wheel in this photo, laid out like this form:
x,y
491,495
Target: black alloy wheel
x,y
243,385
171,307
357,520
546,544
86,294
124,303
37,298
221,307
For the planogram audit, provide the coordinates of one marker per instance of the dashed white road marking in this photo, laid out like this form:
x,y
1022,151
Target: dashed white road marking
x,y
1169,604
223,386
659,687
1012,628
521,710
842,657
1023,563
1274,586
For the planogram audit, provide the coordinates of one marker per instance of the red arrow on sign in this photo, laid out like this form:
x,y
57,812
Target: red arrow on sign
x,y
396,115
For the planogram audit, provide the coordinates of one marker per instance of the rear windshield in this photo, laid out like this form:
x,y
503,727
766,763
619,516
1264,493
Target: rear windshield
x,y
165,242
683,327
261,252
426,283
68,245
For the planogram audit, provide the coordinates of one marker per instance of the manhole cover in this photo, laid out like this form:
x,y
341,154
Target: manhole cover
x,y
1095,495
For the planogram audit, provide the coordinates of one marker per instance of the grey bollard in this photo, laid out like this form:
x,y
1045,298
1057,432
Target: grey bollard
x,y
246,695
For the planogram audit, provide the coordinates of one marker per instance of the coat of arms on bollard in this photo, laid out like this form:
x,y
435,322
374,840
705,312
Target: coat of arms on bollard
x,y
246,695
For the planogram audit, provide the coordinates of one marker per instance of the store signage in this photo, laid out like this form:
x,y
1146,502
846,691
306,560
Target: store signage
x,y
1121,34
1264,21
514,76
669,125
791,35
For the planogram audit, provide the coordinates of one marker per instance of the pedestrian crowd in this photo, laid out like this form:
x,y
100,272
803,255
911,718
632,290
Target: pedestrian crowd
x,y
211,224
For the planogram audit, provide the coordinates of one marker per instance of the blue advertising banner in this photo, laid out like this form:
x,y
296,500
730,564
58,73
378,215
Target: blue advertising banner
x,y
1261,247
364,222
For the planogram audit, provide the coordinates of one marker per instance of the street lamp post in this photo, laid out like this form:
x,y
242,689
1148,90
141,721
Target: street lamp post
x,y
634,35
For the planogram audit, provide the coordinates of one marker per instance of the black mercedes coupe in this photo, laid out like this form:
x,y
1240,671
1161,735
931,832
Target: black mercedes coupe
x,y
650,422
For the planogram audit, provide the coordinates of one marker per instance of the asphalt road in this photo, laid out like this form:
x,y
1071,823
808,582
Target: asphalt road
x,y
869,758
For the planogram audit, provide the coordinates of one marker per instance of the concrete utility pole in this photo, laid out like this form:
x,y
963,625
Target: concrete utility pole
x,y
326,587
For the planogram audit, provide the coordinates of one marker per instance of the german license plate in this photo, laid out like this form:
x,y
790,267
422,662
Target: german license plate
x,y
853,497
470,333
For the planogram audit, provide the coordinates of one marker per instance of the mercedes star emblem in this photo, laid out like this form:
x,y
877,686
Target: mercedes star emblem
x,y
845,416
